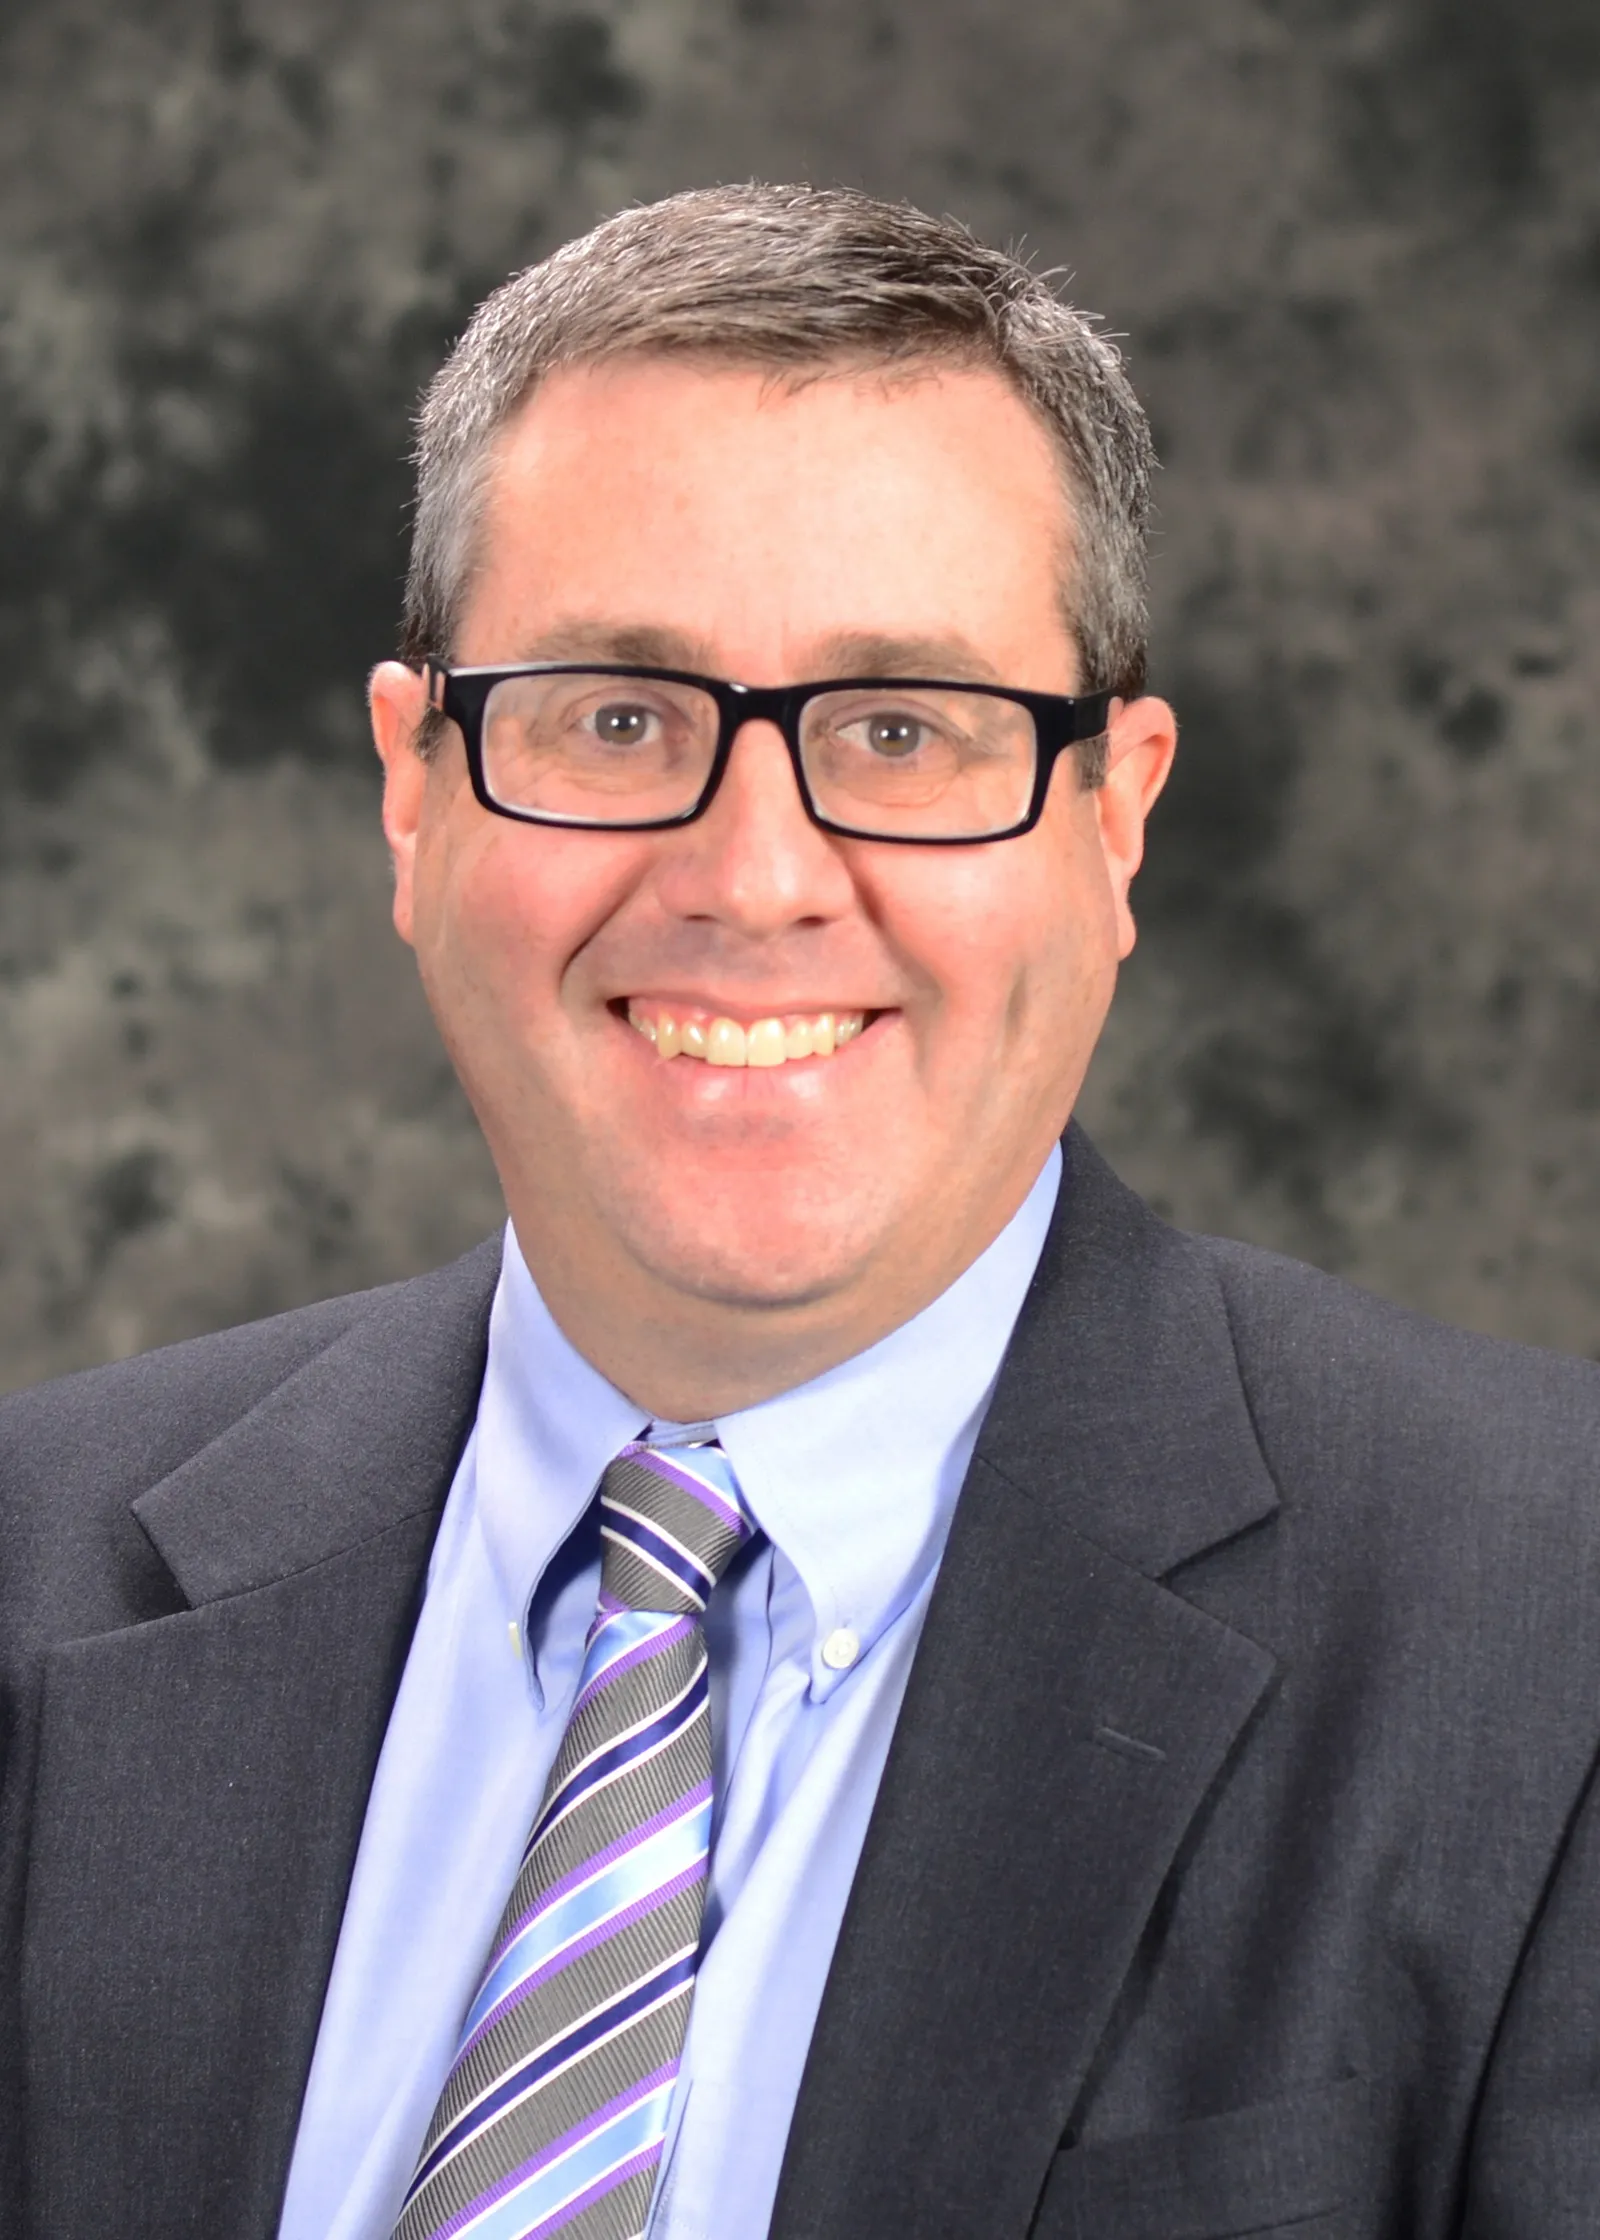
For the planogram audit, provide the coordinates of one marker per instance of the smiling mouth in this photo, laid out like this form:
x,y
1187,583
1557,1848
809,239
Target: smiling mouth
x,y
719,1041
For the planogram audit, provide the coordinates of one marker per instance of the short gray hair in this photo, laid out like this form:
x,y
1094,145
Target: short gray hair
x,y
795,278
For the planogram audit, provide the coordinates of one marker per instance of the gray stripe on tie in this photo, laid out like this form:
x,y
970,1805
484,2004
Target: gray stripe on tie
x,y
583,1833
669,1508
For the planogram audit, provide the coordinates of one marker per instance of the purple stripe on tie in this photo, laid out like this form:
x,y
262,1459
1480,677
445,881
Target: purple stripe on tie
x,y
646,2159
679,1809
656,1458
669,1635
612,1926
564,2145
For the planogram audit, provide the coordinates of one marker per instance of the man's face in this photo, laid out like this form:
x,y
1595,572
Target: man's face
x,y
711,519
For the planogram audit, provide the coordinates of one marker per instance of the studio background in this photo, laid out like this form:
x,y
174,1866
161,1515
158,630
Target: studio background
x,y
1355,253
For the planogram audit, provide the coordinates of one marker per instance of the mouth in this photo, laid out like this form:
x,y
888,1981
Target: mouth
x,y
716,1039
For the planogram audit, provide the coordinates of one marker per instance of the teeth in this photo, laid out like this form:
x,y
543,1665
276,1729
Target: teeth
x,y
764,1043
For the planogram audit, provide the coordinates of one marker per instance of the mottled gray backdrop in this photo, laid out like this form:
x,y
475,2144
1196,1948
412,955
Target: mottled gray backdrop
x,y
1355,250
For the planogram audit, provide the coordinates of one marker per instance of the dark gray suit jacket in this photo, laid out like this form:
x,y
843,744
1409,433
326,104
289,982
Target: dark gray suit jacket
x,y
1235,1869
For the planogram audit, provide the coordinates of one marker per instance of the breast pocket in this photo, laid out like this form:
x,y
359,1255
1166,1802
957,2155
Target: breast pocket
x,y
1286,2167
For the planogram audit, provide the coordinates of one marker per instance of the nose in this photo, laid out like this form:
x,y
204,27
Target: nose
x,y
755,861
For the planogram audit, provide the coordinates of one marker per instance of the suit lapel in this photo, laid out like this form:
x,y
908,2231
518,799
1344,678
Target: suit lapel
x,y
1067,1714
203,1778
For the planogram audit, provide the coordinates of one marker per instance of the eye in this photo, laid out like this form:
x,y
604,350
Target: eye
x,y
622,723
893,734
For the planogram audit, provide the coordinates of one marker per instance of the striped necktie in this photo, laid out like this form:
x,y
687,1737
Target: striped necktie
x,y
553,2115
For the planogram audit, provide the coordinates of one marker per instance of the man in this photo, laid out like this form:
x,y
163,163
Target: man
x,y
856,1684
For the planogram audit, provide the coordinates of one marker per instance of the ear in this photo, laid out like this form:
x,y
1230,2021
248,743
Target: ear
x,y
1143,736
398,699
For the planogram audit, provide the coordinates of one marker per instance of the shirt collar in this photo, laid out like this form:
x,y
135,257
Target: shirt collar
x,y
853,1477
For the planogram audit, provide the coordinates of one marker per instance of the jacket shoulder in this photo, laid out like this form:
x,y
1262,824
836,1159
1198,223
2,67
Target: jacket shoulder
x,y
141,1417
75,1453
1348,1388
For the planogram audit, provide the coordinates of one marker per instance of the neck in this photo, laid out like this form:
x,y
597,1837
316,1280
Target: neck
x,y
689,1359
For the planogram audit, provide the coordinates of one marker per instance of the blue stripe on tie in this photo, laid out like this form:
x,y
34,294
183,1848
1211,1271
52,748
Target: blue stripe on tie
x,y
658,1859
643,2125
690,1573
652,1736
613,1638
522,2080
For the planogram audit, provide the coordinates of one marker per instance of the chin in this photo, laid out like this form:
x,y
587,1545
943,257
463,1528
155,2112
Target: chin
x,y
770,1264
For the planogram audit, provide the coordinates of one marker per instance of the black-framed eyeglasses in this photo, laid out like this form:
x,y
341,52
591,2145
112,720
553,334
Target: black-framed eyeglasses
x,y
604,747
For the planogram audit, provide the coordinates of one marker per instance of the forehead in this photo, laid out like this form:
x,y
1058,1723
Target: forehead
x,y
760,514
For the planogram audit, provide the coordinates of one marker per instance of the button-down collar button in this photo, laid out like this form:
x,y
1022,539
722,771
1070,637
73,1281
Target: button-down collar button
x,y
840,1650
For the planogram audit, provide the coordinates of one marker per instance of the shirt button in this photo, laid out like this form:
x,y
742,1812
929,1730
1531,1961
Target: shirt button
x,y
840,1650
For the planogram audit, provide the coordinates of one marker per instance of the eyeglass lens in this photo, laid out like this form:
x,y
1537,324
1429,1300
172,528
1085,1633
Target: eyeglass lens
x,y
880,759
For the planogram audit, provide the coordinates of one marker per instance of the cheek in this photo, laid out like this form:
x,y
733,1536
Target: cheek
x,y
475,932
502,910
1004,941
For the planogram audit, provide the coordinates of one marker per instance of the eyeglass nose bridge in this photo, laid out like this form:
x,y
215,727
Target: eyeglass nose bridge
x,y
739,705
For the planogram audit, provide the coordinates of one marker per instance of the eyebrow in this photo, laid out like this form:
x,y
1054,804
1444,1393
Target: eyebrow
x,y
869,653
645,644
845,653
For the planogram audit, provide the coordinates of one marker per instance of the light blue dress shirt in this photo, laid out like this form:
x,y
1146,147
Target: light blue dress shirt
x,y
853,1479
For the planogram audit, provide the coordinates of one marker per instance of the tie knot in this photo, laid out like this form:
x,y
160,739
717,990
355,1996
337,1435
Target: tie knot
x,y
670,1524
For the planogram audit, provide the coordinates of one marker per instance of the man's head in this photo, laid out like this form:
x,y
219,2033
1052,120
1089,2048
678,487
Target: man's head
x,y
771,435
